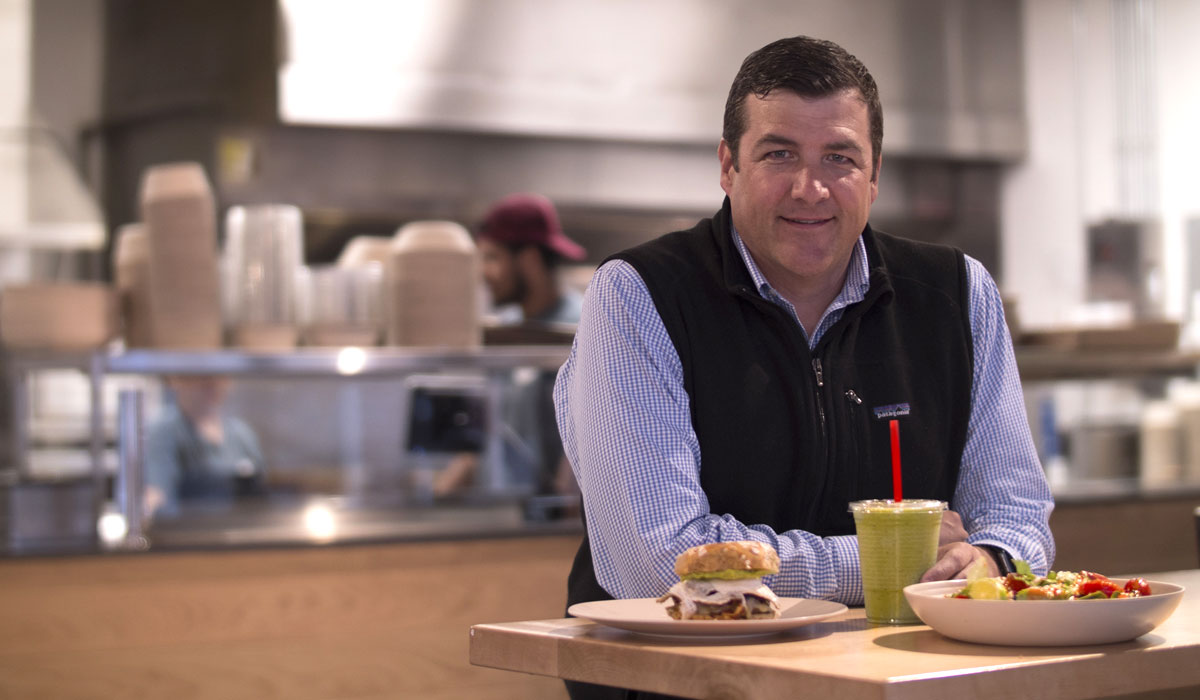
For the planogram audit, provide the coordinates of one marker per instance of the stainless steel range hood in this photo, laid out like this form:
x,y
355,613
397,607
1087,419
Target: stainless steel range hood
x,y
371,113
636,70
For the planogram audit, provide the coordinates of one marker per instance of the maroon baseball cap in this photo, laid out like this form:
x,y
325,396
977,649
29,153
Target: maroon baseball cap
x,y
520,219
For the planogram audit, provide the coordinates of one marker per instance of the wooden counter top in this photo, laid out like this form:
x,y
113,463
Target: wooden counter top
x,y
376,622
848,659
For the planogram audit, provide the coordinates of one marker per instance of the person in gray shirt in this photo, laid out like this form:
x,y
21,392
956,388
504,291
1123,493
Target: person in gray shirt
x,y
197,452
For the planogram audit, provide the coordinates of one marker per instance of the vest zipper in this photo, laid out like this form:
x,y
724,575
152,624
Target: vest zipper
x,y
819,372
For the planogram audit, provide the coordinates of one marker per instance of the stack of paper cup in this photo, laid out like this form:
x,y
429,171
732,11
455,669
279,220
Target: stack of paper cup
x,y
365,250
180,219
131,274
432,280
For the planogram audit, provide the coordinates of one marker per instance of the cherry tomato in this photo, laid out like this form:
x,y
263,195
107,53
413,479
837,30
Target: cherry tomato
x,y
1014,582
1092,576
1094,585
1137,587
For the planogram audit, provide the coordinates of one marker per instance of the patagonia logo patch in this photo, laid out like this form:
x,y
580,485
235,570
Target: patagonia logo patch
x,y
892,410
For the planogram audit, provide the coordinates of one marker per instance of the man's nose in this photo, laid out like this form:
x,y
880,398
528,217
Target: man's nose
x,y
808,186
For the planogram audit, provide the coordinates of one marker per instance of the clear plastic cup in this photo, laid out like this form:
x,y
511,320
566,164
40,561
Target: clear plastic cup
x,y
897,543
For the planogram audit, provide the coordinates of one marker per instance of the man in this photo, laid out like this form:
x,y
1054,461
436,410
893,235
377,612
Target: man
x,y
522,244
735,381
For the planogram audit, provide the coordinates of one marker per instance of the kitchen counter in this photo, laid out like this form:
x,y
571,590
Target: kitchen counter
x,y
849,659
370,622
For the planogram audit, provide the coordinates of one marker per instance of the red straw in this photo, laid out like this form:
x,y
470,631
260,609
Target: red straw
x,y
894,426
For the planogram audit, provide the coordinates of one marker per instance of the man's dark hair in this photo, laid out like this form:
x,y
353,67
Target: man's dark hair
x,y
550,259
810,68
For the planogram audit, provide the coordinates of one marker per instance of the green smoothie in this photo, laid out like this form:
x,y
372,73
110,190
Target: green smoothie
x,y
897,542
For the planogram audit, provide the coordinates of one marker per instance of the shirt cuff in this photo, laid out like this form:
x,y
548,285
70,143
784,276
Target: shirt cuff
x,y
844,554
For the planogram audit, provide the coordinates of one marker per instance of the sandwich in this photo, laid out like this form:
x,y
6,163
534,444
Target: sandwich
x,y
723,581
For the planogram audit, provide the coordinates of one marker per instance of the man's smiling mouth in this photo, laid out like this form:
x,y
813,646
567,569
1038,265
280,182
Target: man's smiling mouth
x,y
805,221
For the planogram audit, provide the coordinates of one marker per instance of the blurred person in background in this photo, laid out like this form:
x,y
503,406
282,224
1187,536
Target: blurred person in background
x,y
196,452
523,246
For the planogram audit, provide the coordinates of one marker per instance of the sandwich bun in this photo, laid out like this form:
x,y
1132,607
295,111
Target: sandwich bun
x,y
728,560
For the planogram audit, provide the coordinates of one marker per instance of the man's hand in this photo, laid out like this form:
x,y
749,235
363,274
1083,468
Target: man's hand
x,y
961,560
952,529
956,558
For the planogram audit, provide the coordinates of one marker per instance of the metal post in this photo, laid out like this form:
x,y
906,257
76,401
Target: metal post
x,y
132,458
96,428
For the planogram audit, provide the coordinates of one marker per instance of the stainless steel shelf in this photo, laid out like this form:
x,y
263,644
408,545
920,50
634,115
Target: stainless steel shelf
x,y
336,362
1047,364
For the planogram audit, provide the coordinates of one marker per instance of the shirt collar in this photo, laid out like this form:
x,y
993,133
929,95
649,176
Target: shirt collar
x,y
854,289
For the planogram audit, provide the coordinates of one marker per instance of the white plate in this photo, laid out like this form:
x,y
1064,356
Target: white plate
x,y
1042,622
647,616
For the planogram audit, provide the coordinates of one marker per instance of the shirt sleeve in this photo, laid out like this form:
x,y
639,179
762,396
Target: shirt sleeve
x,y
624,418
162,468
1002,492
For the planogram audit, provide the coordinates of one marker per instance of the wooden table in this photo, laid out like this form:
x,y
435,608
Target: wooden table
x,y
848,659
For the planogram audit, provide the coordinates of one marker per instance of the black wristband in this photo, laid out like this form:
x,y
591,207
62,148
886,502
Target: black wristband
x,y
1002,558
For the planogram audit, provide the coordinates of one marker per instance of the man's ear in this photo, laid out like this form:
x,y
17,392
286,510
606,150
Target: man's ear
x,y
875,177
728,165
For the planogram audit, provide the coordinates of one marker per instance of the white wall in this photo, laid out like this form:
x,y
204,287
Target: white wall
x,y
1179,128
15,39
1077,156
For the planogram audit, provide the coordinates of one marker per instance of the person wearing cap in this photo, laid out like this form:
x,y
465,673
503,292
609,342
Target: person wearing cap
x,y
522,243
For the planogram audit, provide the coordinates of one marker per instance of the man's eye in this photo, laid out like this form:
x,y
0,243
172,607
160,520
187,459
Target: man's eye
x,y
778,155
839,159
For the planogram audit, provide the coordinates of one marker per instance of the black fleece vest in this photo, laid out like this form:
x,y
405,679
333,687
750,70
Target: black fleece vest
x,y
788,436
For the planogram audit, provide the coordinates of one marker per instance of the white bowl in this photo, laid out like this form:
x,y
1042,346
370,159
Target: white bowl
x,y
1041,622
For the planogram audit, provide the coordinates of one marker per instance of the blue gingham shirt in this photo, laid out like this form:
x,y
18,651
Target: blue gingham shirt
x,y
626,427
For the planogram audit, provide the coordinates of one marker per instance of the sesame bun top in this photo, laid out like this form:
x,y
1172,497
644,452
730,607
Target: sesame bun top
x,y
742,559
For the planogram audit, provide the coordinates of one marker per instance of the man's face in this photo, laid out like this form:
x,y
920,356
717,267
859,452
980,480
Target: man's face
x,y
802,187
501,273
199,396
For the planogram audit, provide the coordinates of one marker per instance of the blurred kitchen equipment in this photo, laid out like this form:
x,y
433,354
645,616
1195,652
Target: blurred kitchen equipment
x,y
1160,444
263,249
443,416
1185,396
1103,451
178,212
432,283
340,306
58,315
44,204
131,446
1196,515
1125,264
1100,420
131,273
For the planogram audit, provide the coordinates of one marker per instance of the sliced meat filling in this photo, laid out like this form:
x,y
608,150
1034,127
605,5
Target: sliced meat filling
x,y
721,600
